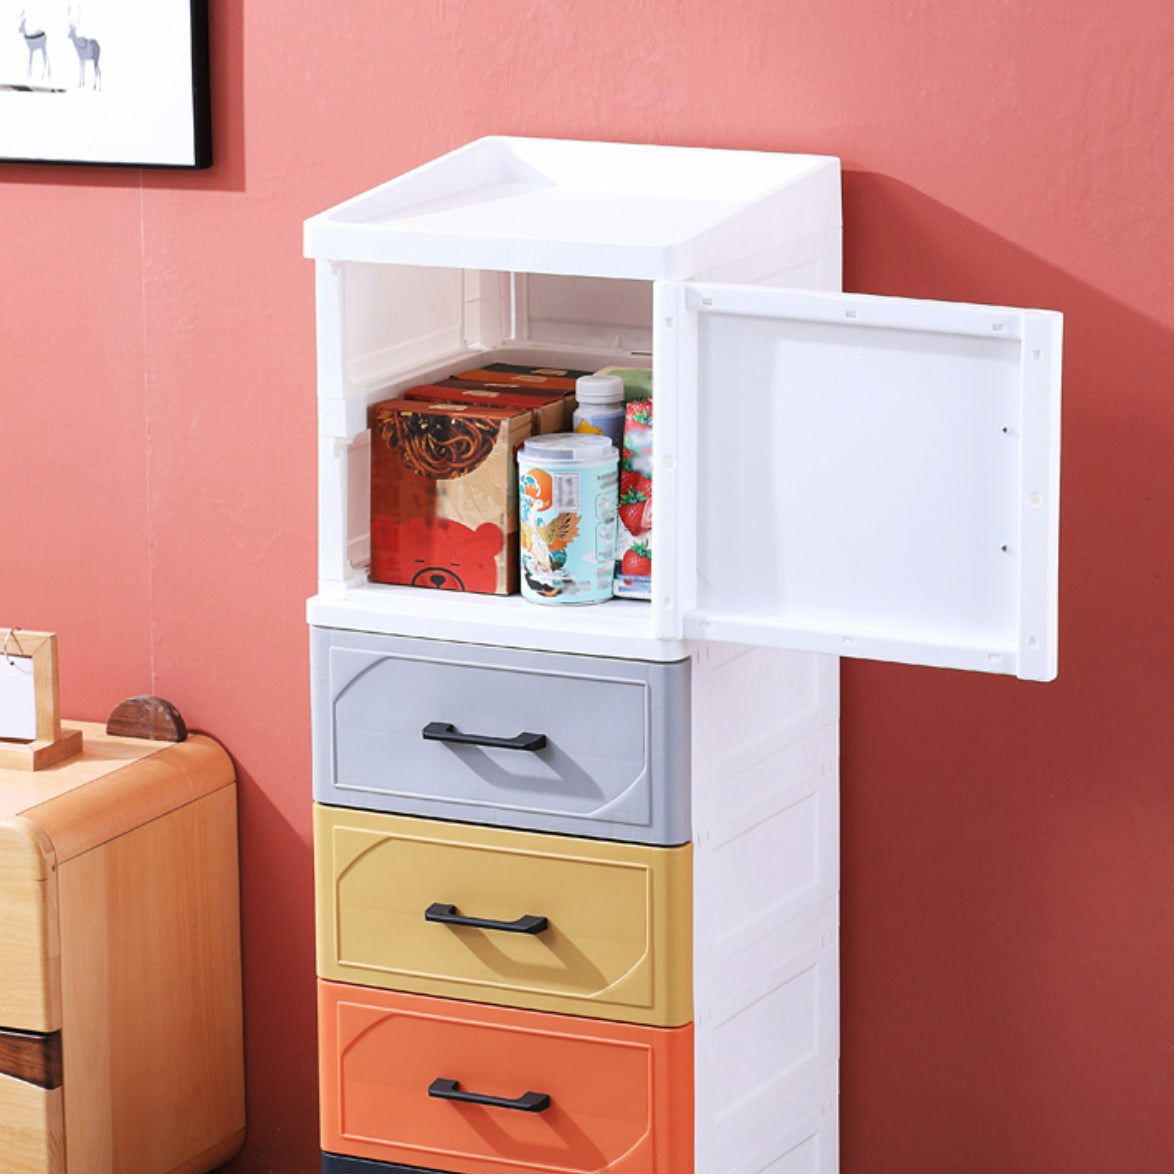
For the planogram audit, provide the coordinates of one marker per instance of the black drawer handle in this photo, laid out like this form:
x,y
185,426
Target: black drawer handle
x,y
449,915
447,732
450,1090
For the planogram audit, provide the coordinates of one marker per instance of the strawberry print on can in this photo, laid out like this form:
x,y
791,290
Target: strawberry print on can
x,y
633,577
567,517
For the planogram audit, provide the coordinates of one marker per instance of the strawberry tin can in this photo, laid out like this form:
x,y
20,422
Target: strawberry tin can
x,y
633,577
567,485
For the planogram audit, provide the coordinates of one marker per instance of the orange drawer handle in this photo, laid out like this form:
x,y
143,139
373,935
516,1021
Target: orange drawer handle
x,y
450,1090
448,914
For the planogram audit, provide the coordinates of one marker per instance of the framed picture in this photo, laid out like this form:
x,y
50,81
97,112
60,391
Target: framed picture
x,y
111,82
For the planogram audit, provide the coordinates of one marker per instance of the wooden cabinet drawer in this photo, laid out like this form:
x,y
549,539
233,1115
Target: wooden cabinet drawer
x,y
32,1127
616,941
601,1096
610,759
30,993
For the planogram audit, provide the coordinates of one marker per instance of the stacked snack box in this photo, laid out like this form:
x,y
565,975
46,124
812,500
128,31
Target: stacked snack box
x,y
552,378
633,578
444,496
548,409
513,378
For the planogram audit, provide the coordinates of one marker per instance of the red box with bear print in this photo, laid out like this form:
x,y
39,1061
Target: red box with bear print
x,y
444,495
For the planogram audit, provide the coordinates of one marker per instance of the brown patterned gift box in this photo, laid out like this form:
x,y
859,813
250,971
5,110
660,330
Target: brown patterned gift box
x,y
444,498
551,410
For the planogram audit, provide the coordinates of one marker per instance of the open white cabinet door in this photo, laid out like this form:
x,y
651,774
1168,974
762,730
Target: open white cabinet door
x,y
864,476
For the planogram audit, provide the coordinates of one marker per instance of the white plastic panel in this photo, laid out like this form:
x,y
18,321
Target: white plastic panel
x,y
618,628
400,317
813,263
766,874
591,209
576,312
874,477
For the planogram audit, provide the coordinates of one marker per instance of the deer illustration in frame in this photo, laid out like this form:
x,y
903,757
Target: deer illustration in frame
x,y
141,96
88,49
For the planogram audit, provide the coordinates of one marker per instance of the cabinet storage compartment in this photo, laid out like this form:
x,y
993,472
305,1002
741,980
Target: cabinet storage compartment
x,y
855,475
547,1094
434,729
537,252
834,475
584,927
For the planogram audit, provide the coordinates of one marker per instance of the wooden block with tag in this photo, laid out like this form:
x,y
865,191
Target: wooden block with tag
x,y
31,734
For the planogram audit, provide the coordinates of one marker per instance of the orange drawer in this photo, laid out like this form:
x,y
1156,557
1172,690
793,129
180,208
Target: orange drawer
x,y
547,1094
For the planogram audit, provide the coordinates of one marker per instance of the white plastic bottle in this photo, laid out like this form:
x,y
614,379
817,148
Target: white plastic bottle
x,y
601,407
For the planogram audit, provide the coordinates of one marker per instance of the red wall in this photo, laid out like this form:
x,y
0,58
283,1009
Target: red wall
x,y
1008,863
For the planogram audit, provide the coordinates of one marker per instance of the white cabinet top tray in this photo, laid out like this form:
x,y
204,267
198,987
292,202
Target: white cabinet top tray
x,y
616,210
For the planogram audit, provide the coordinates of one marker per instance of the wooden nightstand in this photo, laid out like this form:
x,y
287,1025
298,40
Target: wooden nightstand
x,y
120,981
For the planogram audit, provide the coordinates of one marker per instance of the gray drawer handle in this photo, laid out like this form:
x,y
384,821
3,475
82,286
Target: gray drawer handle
x,y
448,914
450,1090
447,732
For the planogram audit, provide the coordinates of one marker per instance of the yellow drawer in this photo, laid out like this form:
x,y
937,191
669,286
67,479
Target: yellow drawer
x,y
550,923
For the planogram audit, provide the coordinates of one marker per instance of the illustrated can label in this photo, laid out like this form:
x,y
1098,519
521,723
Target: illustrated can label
x,y
567,524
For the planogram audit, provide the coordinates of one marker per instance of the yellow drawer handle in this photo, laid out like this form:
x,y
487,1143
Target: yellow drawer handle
x,y
450,1090
449,916
447,732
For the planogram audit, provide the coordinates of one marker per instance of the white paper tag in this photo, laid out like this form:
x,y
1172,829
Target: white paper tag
x,y
18,698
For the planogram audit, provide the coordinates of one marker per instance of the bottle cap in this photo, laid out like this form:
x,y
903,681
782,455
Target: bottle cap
x,y
571,448
599,389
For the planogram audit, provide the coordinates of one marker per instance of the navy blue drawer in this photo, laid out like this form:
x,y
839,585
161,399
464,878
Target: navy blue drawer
x,y
337,1164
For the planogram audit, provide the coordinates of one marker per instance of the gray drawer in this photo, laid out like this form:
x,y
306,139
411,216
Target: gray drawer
x,y
615,758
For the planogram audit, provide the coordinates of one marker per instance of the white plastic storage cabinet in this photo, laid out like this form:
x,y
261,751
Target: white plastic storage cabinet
x,y
835,475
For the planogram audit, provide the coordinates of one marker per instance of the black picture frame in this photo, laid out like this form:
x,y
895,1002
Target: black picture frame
x,y
109,83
